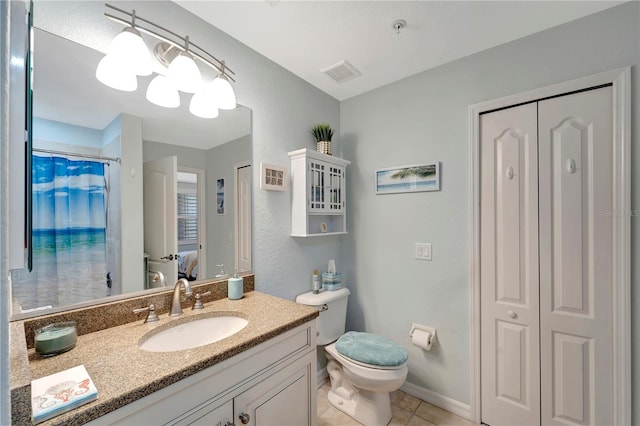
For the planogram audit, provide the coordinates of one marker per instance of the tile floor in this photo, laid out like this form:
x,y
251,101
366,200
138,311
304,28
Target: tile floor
x,y
405,409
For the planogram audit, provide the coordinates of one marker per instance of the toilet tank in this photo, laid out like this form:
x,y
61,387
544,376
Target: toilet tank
x,y
333,312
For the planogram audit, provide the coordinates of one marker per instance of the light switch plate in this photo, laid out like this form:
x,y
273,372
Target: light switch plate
x,y
423,251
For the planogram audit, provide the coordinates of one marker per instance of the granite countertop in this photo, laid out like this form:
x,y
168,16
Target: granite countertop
x,y
124,373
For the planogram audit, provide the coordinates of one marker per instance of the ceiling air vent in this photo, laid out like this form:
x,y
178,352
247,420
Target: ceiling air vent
x,y
342,71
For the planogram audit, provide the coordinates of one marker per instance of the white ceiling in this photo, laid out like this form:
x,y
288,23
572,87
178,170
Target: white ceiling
x,y
308,36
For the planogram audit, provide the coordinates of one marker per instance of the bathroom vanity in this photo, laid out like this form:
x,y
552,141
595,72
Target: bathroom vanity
x,y
273,383
263,374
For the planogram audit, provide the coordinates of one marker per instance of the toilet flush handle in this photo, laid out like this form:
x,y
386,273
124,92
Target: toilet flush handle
x,y
324,308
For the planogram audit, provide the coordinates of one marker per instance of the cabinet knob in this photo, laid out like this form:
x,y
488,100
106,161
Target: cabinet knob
x,y
512,314
244,418
229,424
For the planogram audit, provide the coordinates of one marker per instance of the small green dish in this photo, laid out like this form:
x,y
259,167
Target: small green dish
x,y
56,338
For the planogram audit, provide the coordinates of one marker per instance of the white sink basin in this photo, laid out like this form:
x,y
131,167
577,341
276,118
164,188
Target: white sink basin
x,y
192,334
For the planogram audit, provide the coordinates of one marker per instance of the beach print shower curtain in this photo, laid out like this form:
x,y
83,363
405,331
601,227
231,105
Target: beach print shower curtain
x,y
69,224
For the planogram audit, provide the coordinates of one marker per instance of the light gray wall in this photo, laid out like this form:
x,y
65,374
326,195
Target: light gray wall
x,y
132,223
187,157
425,118
221,228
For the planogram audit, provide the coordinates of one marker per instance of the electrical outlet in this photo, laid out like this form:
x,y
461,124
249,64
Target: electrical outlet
x,y
423,251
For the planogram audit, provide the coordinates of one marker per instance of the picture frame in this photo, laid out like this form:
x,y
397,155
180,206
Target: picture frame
x,y
411,178
220,196
272,177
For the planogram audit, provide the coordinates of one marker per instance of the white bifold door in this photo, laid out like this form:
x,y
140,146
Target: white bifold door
x,y
546,261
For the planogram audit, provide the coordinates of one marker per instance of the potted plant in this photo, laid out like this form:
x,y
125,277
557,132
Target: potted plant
x,y
323,134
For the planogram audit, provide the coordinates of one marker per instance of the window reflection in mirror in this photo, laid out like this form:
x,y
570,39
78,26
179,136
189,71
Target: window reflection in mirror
x,y
89,146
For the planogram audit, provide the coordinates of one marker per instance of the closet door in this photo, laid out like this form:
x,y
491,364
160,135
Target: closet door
x,y
576,184
510,377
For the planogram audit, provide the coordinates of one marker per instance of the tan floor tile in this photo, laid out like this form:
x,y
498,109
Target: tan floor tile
x,y
417,421
406,410
323,399
440,417
404,401
335,417
399,417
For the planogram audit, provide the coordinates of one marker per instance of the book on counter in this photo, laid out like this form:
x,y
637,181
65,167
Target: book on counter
x,y
60,392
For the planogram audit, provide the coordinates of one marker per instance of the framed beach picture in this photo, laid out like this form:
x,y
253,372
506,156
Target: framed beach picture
x,y
220,196
273,178
413,178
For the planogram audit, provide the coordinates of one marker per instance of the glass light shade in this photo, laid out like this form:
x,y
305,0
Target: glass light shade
x,y
223,92
163,93
111,74
185,74
131,52
203,104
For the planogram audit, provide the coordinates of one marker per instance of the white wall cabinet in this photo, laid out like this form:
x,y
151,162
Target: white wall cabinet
x,y
271,384
318,200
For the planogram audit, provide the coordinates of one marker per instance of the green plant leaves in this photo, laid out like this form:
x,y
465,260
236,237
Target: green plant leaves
x,y
322,132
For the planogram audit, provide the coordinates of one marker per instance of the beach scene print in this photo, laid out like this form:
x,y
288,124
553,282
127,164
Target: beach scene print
x,y
413,178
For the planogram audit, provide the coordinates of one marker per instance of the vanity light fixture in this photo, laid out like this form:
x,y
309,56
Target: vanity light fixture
x,y
128,57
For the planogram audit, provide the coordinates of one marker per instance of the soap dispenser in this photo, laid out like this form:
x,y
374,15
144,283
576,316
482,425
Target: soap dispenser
x,y
234,289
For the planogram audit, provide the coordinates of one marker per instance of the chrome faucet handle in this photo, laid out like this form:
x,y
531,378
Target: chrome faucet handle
x,y
151,315
198,303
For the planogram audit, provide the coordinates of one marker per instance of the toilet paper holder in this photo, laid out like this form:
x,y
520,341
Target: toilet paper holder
x,y
431,334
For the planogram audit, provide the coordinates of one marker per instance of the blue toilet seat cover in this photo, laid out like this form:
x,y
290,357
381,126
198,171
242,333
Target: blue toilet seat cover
x,y
371,349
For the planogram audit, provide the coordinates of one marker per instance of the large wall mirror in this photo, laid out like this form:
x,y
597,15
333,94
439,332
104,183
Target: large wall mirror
x,y
128,196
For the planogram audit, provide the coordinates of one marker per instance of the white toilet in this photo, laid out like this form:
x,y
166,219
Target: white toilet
x,y
363,367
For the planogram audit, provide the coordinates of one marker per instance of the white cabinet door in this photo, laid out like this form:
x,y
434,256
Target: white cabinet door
x,y
576,271
509,274
326,187
284,399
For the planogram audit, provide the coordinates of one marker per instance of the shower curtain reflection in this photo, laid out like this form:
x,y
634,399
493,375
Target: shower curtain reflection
x,y
70,199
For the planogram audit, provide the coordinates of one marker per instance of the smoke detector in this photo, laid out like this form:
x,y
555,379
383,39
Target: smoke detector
x,y
399,24
342,71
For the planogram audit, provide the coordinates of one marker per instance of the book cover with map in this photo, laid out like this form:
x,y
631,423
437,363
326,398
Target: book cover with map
x,y
60,392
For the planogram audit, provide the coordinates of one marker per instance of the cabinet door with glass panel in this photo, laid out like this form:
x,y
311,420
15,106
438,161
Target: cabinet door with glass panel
x,y
326,189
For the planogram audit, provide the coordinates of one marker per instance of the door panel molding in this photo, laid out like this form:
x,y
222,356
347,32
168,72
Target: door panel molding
x,y
620,80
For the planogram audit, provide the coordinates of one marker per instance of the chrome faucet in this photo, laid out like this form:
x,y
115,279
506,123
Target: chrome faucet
x,y
176,309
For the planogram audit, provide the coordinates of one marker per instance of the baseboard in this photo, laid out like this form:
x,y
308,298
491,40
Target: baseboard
x,y
444,402
323,376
